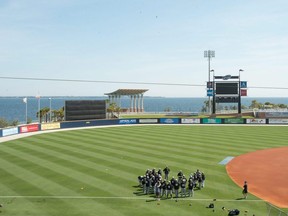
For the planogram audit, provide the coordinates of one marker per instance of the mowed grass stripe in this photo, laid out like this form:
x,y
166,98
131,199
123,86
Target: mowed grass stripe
x,y
74,171
201,144
8,188
198,151
30,183
40,171
72,187
143,151
205,150
223,138
86,191
135,149
164,146
189,165
126,151
66,157
116,208
150,159
173,145
113,161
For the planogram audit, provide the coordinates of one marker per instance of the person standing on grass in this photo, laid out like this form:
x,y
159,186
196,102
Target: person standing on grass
x,y
143,182
191,186
159,172
203,179
180,175
153,183
163,188
166,171
176,188
200,181
245,190
169,189
183,186
173,183
148,184
140,180
158,190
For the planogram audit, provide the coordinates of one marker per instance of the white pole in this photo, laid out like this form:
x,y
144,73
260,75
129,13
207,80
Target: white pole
x,y
26,112
39,116
39,119
50,111
209,54
25,100
142,103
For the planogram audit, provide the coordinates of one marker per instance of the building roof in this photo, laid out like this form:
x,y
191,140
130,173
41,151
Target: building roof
x,y
128,92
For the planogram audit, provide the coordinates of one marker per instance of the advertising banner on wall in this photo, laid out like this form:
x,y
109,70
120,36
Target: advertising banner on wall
x,y
50,126
190,121
278,121
169,121
276,114
211,121
148,121
29,128
234,121
127,121
88,123
256,121
9,131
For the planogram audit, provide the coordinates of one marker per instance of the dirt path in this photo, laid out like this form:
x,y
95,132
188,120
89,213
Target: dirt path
x,y
266,172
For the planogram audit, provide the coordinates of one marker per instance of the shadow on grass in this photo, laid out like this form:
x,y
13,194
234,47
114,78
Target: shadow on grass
x,y
139,193
150,200
241,198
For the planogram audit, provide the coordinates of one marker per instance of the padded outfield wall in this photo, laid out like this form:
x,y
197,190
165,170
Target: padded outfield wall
x,y
89,123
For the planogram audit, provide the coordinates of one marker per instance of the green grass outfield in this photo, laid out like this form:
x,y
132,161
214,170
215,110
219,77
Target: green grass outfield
x,y
94,171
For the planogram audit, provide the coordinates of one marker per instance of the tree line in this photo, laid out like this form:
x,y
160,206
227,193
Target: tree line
x,y
43,114
254,105
114,111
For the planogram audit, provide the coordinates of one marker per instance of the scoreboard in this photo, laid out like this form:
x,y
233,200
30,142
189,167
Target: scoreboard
x,y
227,88
85,109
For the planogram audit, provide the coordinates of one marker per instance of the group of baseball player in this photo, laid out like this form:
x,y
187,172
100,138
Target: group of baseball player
x,y
153,182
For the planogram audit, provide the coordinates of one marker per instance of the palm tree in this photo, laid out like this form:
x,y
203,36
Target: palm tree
x,y
118,110
255,104
205,106
58,115
43,113
113,107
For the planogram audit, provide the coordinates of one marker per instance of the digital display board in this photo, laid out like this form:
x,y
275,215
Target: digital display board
x,y
85,109
225,99
226,88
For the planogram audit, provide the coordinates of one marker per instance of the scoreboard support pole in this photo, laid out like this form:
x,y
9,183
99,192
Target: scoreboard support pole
x,y
239,92
213,104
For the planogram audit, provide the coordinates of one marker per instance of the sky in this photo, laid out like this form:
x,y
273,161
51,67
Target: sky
x,y
142,44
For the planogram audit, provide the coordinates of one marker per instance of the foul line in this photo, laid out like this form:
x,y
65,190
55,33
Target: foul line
x,y
127,198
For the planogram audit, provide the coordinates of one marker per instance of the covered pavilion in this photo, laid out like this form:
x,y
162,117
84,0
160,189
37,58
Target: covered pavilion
x,y
136,98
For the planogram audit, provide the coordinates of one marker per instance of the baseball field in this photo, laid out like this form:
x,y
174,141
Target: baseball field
x,y
94,171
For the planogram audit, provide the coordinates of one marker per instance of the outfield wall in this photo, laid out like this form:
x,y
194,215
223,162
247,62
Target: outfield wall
x,y
74,124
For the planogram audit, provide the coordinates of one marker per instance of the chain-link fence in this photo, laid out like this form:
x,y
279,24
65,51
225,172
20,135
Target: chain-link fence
x,y
274,211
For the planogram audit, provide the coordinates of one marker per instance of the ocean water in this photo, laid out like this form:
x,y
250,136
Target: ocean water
x,y
13,108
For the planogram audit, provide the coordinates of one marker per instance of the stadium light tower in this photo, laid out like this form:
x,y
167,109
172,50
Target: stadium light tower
x,y
209,54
